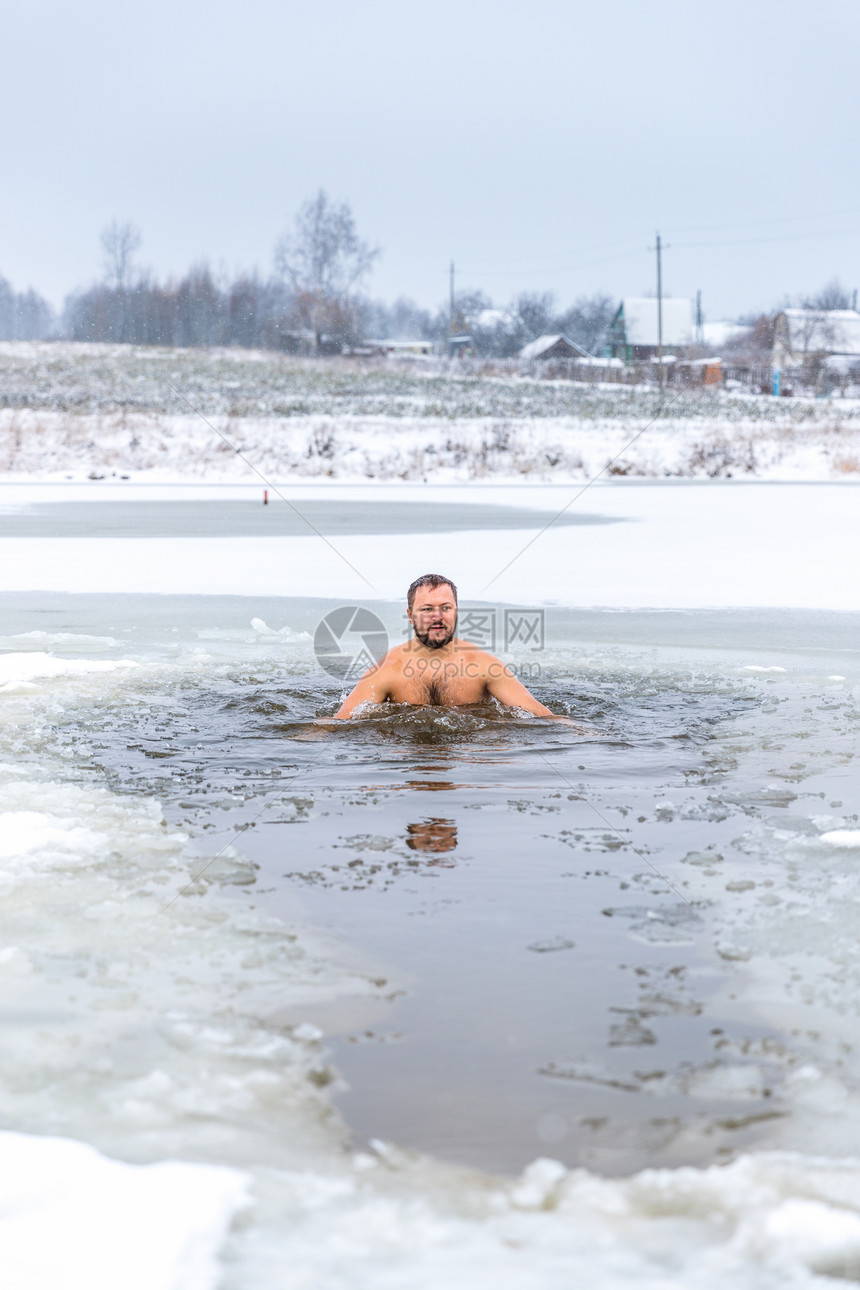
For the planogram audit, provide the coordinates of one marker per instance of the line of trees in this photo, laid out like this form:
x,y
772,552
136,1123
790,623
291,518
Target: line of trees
x,y
24,315
313,302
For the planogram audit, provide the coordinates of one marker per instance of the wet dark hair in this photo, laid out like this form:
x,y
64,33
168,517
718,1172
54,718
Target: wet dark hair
x,y
431,580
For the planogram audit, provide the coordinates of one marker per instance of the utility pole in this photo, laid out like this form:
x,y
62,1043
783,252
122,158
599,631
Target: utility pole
x,y
660,309
700,320
451,327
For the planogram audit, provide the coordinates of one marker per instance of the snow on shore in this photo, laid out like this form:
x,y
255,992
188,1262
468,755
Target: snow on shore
x,y
73,411
62,445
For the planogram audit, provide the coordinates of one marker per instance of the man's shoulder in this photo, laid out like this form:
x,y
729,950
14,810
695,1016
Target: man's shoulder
x,y
394,658
476,656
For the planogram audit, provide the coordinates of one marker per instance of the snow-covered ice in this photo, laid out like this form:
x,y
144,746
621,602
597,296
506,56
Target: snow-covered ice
x,y
670,545
71,1217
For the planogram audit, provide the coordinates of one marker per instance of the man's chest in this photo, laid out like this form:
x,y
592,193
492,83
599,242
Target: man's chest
x,y
444,683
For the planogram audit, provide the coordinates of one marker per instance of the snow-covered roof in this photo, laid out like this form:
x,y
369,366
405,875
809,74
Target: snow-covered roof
x,y
827,331
640,320
492,318
541,347
718,334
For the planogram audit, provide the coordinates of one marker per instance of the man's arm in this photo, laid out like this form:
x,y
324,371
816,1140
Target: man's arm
x,y
504,686
373,687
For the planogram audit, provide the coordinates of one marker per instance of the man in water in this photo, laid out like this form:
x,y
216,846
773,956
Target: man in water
x,y
435,667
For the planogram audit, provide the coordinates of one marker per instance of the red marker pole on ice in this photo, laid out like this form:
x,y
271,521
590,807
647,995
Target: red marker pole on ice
x,y
265,497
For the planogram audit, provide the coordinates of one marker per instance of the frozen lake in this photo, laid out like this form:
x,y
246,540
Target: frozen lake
x,y
238,938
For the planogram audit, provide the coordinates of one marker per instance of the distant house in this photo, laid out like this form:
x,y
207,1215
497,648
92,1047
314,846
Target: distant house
x,y
716,335
801,336
461,345
634,331
546,347
461,342
400,346
296,342
489,319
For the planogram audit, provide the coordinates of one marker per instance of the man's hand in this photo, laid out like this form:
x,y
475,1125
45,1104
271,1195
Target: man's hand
x,y
372,688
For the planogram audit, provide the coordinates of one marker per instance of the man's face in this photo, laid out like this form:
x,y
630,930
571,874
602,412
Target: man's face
x,y
434,615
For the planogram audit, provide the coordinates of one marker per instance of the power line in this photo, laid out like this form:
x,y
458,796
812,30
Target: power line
x,y
477,271
780,219
760,241
559,268
542,259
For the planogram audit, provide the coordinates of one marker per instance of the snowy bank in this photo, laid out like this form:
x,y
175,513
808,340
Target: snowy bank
x,y
78,411
67,446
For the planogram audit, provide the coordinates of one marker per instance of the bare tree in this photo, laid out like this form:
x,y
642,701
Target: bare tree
x,y
588,320
120,244
536,314
832,296
324,259
402,320
754,346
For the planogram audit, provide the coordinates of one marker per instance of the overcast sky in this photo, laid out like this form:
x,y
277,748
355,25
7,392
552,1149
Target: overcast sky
x,y
538,145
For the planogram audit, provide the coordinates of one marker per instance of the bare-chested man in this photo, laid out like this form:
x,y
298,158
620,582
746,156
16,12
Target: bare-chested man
x,y
435,666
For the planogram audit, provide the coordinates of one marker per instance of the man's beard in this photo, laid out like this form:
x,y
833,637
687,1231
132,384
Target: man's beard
x,y
428,643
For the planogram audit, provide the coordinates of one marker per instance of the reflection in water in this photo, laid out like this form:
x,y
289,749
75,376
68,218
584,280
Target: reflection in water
x,y
435,770
435,835
432,785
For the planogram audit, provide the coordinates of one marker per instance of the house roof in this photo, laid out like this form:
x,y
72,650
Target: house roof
x,y
827,331
721,333
538,348
492,318
640,320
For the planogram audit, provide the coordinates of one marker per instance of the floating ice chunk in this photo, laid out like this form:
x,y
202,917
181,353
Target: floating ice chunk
x,y
25,833
537,1188
308,1033
848,839
835,677
285,634
261,628
71,642
727,1083
754,667
18,668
